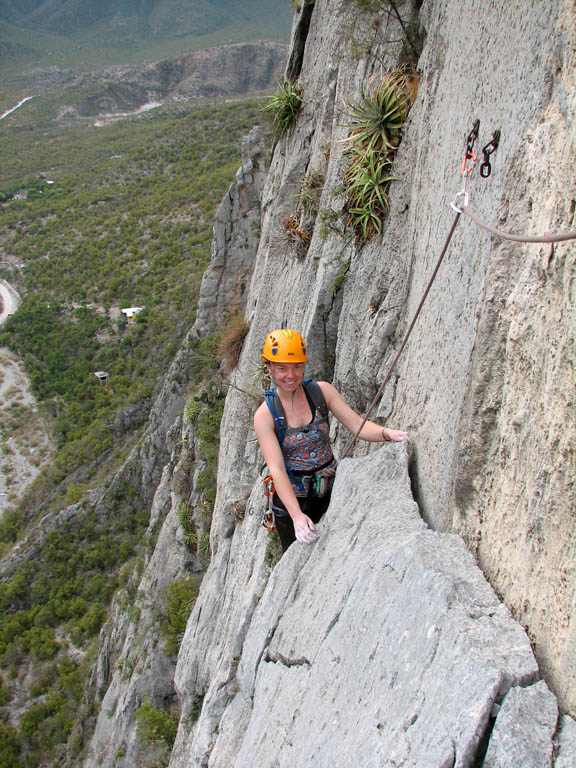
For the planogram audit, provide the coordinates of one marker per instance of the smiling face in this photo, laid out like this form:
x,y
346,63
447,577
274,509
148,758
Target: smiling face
x,y
287,376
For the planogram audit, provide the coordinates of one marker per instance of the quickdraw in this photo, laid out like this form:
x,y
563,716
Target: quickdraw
x,y
268,520
492,146
470,154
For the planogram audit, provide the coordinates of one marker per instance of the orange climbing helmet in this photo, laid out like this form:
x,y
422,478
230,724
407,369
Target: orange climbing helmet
x,y
285,346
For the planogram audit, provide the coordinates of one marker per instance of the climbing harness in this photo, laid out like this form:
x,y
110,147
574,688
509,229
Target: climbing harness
x,y
315,400
303,480
468,164
308,482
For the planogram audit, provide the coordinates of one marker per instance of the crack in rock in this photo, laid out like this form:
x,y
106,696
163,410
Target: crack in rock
x,y
286,662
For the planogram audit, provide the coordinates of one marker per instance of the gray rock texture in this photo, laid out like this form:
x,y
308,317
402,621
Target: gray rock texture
x,y
236,236
524,730
133,666
566,743
385,644
485,384
381,645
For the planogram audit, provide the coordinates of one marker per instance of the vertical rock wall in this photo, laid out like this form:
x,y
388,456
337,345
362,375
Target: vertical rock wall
x,y
486,383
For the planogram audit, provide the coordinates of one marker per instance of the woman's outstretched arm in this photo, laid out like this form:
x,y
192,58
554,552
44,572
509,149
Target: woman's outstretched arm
x,y
371,431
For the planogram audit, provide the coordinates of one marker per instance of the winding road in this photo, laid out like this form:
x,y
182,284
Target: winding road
x,y
9,300
13,109
24,438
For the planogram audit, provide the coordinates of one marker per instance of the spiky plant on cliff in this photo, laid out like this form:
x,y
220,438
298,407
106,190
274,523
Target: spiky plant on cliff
x,y
283,106
376,121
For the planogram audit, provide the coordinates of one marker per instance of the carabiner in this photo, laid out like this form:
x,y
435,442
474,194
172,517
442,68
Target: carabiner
x,y
468,156
453,203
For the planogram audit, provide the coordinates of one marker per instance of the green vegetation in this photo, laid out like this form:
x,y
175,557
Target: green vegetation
x,y
127,222
310,191
378,116
83,35
367,181
209,400
231,341
180,599
296,233
156,726
283,107
9,746
377,119
273,549
185,515
411,37
135,230
66,588
340,278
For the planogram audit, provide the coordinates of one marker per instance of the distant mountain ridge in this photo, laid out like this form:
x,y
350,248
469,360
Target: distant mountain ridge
x,y
152,17
222,71
88,33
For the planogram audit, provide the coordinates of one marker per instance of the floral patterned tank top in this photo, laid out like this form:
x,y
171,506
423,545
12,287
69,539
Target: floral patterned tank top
x,y
307,449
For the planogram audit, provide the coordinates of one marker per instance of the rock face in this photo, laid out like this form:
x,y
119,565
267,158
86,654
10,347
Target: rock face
x,y
524,729
385,644
236,235
348,653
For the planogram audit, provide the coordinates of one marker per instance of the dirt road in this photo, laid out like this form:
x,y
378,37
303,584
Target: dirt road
x,y
9,300
24,439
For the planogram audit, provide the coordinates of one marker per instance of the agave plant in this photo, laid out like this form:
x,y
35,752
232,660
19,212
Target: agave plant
x,y
283,106
378,116
367,180
377,119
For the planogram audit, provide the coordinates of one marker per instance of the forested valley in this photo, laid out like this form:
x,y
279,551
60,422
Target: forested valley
x,y
95,220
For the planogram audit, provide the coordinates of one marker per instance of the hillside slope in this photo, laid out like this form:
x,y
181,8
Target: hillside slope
x,y
52,32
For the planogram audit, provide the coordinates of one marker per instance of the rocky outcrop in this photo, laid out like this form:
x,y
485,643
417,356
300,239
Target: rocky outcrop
x,y
133,665
236,236
381,645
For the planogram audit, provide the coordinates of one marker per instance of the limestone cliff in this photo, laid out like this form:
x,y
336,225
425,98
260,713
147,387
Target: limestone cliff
x,y
433,624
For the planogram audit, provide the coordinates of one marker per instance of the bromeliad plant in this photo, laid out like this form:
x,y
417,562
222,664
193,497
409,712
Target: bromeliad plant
x,y
283,106
376,122
367,179
378,116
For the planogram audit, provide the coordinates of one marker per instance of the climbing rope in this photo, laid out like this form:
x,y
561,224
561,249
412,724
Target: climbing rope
x,y
406,337
549,237
466,170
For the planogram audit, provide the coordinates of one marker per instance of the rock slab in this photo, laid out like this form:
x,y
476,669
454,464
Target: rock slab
x,y
382,645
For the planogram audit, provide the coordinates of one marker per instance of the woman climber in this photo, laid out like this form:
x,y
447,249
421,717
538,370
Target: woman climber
x,y
293,433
